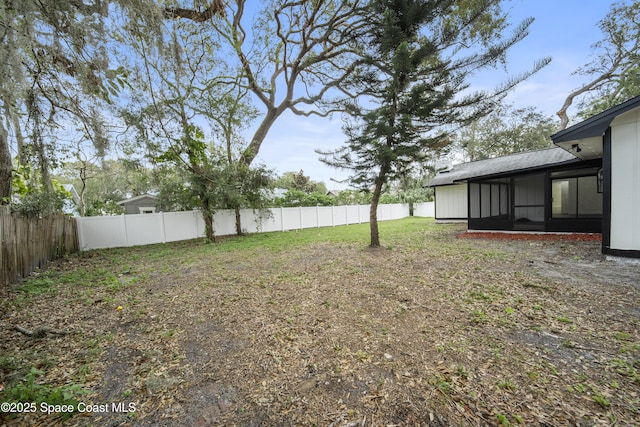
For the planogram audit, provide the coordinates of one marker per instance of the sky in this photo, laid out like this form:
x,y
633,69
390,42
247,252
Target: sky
x,y
564,30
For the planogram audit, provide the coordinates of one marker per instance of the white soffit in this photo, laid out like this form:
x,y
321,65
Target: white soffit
x,y
586,149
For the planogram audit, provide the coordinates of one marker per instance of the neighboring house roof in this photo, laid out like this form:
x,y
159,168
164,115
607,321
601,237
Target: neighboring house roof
x,y
69,206
137,198
72,190
518,162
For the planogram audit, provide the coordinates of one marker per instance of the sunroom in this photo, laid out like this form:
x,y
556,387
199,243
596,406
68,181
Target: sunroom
x,y
543,190
589,182
559,199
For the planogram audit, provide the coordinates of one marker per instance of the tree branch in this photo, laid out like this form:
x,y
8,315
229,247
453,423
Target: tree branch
x,y
562,113
215,8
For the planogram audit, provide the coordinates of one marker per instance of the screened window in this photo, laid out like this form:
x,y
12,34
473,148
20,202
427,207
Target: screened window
x,y
489,199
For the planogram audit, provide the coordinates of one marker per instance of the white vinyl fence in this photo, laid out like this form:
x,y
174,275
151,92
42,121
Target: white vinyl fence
x,y
426,209
129,230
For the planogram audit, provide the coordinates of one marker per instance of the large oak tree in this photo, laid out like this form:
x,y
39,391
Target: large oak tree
x,y
294,55
504,131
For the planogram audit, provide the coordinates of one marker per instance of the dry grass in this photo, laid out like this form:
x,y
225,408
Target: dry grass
x,y
314,328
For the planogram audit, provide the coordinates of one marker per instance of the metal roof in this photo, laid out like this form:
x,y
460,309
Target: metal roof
x,y
518,162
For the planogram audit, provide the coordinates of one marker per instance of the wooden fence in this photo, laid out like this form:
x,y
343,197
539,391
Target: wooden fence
x,y
28,243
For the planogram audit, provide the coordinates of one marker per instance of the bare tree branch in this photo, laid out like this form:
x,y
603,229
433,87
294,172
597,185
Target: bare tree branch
x,y
616,58
562,113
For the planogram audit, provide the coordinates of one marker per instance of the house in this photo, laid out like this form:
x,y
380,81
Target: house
x,y
143,204
513,193
588,182
613,136
70,205
451,185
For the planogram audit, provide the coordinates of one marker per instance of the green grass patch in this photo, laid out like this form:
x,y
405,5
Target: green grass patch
x,y
405,232
32,390
37,285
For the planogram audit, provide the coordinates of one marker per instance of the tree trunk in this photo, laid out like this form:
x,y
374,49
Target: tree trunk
x,y
43,161
373,212
82,209
594,84
5,167
238,223
207,216
252,150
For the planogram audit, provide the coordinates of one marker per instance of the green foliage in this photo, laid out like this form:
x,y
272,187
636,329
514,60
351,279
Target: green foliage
x,y
505,131
97,207
387,198
414,83
298,181
352,197
615,68
20,180
227,185
409,188
115,80
39,203
31,198
30,389
37,285
102,184
174,193
294,198
189,84
208,178
564,319
58,55
626,368
601,399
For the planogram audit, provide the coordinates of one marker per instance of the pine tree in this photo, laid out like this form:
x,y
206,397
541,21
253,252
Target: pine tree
x,y
415,74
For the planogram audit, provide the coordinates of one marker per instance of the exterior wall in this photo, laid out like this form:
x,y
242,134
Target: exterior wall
x,y
451,202
625,182
133,207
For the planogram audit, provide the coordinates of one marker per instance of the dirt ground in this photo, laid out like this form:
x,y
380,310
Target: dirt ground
x,y
561,257
432,330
